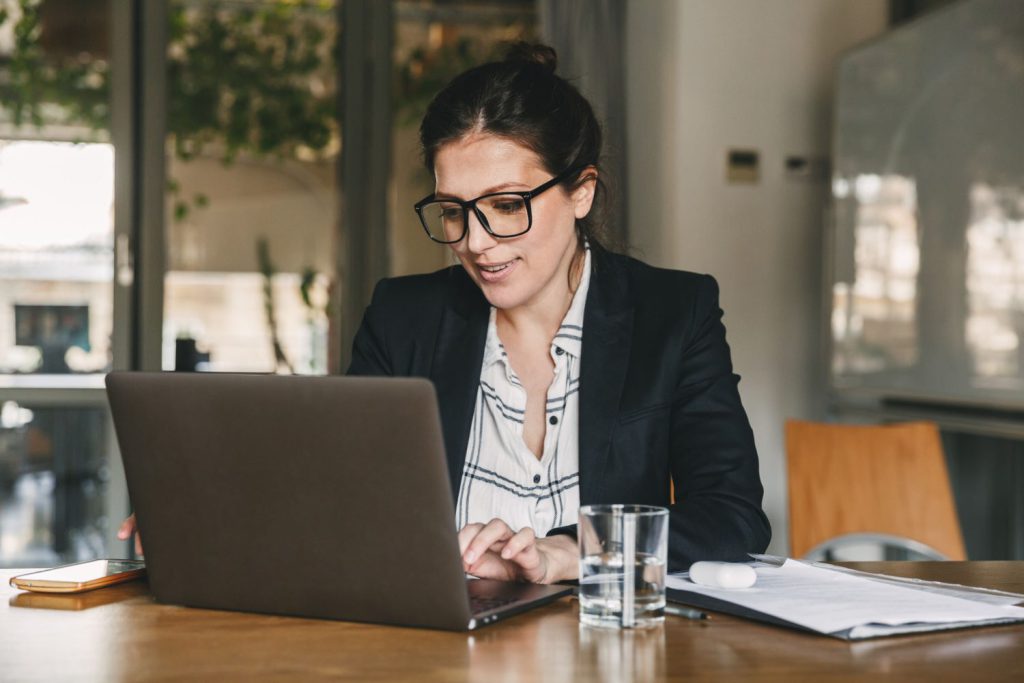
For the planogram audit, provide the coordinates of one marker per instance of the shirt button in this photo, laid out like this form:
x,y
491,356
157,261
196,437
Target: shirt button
x,y
553,419
536,479
559,351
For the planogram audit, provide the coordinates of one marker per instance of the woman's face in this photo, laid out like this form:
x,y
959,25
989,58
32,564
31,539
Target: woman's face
x,y
530,270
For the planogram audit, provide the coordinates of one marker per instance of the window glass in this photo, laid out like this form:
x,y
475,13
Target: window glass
x,y
435,41
253,140
59,477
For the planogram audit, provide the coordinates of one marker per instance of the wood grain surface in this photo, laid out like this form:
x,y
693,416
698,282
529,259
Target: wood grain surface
x,y
121,634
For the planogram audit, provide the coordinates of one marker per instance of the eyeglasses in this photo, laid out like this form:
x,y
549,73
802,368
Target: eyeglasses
x,y
502,214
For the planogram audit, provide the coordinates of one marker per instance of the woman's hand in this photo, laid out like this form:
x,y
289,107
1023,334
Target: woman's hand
x,y
127,529
494,551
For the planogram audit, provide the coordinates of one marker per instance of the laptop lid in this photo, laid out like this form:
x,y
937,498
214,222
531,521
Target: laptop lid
x,y
311,496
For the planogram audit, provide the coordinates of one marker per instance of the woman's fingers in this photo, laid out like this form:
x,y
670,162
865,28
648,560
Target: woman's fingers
x,y
127,528
524,551
523,540
494,551
467,534
493,532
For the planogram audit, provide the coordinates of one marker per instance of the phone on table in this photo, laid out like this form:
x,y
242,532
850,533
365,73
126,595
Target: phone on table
x,y
82,576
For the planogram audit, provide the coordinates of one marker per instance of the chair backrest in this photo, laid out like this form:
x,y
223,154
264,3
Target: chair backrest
x,y
855,479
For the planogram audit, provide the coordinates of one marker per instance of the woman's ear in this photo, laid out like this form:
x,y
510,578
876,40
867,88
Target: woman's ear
x,y
583,194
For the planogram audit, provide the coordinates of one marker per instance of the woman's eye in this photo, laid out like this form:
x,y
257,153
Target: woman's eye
x,y
451,213
510,205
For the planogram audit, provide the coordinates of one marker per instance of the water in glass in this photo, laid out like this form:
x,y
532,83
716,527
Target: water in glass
x,y
601,588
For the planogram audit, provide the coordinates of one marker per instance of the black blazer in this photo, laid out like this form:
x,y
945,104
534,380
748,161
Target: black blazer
x,y
658,397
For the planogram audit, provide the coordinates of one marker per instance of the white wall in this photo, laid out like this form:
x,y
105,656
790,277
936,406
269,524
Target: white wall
x,y
704,76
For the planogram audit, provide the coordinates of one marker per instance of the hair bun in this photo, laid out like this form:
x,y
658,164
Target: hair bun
x,y
533,53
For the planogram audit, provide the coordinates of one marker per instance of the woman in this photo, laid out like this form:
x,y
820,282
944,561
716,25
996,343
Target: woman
x,y
539,415
566,375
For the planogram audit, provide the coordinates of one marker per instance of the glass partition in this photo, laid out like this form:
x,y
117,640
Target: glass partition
x,y
251,214
435,41
60,478
252,145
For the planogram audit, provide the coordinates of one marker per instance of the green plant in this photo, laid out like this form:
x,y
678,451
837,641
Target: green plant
x,y
249,80
39,88
253,80
241,79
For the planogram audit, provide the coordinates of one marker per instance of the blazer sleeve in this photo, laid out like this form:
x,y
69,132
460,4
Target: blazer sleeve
x,y
712,458
717,514
370,354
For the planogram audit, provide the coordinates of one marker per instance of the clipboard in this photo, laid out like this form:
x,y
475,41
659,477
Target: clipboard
x,y
810,597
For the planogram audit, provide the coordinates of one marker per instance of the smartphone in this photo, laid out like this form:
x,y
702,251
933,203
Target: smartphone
x,y
83,576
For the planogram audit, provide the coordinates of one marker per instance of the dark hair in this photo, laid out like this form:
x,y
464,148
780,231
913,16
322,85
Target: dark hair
x,y
523,100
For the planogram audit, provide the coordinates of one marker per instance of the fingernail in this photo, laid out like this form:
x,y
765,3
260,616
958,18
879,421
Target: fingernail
x,y
470,557
506,553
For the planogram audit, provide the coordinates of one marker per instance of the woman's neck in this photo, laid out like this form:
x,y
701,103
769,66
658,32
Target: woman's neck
x,y
541,319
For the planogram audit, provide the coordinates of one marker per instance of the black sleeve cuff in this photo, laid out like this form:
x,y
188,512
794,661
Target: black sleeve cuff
x,y
565,531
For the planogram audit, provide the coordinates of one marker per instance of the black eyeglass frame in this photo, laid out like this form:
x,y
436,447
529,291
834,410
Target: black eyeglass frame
x,y
470,205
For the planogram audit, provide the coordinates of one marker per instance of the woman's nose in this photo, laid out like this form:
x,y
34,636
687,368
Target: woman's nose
x,y
478,239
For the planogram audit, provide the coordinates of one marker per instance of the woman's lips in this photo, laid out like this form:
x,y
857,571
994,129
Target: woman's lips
x,y
496,272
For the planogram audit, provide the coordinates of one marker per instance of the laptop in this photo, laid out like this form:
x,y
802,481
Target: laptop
x,y
319,497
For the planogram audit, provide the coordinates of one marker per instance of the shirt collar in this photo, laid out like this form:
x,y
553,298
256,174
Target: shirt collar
x,y
569,337
494,351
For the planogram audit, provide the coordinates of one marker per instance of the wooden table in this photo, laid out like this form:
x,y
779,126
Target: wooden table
x,y
121,634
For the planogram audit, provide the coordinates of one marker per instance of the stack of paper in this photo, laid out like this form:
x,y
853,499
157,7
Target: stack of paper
x,y
851,605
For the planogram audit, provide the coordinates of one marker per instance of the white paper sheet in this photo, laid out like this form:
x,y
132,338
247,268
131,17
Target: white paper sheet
x,y
834,602
988,595
985,595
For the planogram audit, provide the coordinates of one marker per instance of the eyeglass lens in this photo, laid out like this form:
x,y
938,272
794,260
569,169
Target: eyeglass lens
x,y
505,215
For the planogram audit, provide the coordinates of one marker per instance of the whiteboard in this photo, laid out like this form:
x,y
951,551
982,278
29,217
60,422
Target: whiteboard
x,y
927,250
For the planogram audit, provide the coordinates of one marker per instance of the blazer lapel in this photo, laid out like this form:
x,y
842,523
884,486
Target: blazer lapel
x,y
607,331
455,370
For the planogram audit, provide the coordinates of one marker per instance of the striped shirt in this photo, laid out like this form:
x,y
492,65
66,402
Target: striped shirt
x,y
502,478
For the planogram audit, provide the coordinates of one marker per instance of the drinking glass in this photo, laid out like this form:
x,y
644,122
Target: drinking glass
x,y
623,553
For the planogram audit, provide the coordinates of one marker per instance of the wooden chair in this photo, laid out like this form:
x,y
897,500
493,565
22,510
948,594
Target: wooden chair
x,y
885,484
